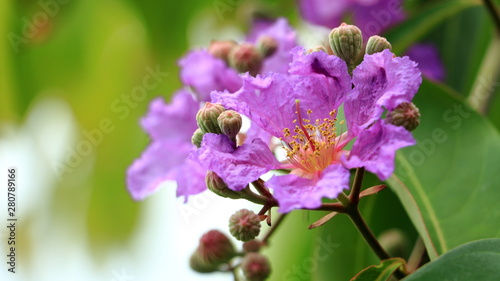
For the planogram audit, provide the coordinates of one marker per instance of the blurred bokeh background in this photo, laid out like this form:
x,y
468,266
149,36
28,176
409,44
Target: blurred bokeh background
x,y
72,92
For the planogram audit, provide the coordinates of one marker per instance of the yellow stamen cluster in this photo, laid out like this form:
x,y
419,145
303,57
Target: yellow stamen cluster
x,y
311,146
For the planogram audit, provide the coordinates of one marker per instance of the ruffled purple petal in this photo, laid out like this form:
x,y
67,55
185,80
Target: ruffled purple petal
x,y
324,12
381,80
284,34
270,100
256,132
236,166
190,177
206,73
293,192
427,57
320,64
375,148
173,122
157,164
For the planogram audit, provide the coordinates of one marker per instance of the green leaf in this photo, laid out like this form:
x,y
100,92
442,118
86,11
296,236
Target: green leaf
x,y
449,180
476,260
410,31
380,272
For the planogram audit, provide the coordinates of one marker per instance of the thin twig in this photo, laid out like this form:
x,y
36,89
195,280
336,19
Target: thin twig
x,y
490,6
273,228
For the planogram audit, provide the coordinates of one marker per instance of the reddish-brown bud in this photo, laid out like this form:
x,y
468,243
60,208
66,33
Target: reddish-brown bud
x,y
214,249
255,267
221,49
245,57
267,45
406,114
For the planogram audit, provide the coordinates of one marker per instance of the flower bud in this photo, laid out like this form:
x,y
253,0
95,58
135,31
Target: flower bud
x,y
255,267
214,249
267,45
252,246
207,117
220,49
219,187
197,137
245,57
377,44
244,225
406,115
318,48
230,123
346,42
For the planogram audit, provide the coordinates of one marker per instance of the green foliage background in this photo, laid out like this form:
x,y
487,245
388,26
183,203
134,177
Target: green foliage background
x,y
91,53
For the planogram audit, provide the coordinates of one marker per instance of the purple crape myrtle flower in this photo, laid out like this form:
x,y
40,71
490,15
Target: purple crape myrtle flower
x,y
205,73
166,158
371,16
427,57
171,126
300,108
248,161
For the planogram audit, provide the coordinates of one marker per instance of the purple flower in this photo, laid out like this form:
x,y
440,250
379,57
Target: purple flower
x,y
427,57
300,109
286,38
166,158
238,166
371,16
205,73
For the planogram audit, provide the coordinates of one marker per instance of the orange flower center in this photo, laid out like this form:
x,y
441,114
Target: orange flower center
x,y
311,147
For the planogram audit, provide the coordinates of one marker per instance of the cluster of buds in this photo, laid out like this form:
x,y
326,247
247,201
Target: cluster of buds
x,y
346,42
214,118
215,249
245,57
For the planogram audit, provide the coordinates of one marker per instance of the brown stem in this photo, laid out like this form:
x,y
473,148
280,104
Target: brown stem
x,y
273,228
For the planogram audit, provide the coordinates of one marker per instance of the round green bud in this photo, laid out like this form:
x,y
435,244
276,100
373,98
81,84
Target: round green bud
x,y
406,114
207,118
255,267
244,225
346,42
267,45
214,249
245,57
197,137
377,44
221,48
219,187
230,123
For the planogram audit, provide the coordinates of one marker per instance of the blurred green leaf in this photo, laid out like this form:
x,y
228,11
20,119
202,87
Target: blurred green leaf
x,y
380,272
411,30
476,260
448,181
